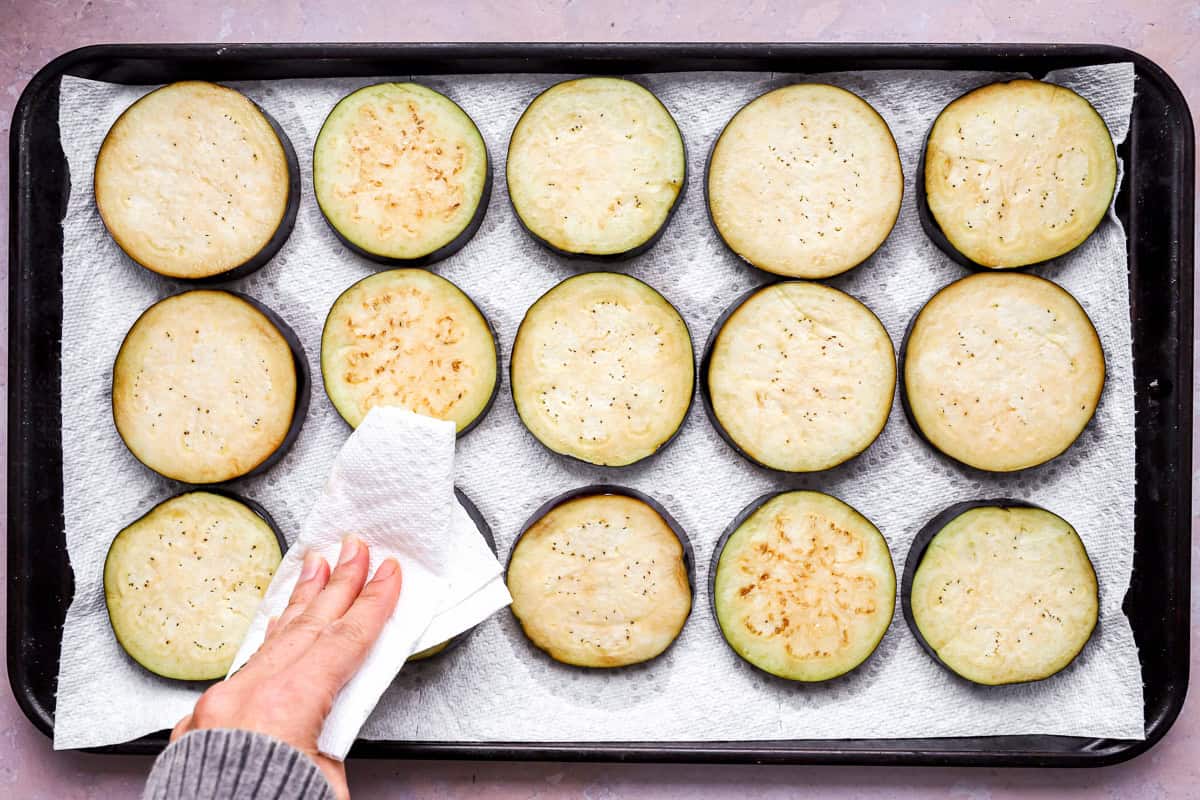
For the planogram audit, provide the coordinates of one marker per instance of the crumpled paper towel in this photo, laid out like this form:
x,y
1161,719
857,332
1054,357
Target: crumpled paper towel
x,y
497,687
393,486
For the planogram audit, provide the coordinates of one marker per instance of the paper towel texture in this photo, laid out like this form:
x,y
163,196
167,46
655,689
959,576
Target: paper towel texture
x,y
497,686
392,485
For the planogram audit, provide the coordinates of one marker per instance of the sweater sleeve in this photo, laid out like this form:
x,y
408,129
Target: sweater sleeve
x,y
223,763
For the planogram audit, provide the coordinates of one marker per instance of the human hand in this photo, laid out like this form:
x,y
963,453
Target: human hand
x,y
311,650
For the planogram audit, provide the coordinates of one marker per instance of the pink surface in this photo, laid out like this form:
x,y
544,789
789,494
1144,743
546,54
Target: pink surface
x,y
33,33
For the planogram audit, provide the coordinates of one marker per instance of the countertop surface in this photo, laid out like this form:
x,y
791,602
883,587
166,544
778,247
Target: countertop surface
x,y
1168,32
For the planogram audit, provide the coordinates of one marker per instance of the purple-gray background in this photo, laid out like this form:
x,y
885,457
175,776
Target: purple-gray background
x,y
32,33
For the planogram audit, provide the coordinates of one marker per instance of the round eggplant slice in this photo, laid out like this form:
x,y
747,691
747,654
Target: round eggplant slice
x,y
409,338
803,586
196,182
209,386
401,174
602,369
182,582
799,377
1000,591
1014,174
485,531
1001,371
601,577
805,181
596,167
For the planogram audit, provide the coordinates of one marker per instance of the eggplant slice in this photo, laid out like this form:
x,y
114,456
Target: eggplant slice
x,y
409,338
805,181
182,582
596,167
401,174
603,369
485,531
803,586
1015,174
196,182
1001,371
601,577
1000,591
209,386
799,377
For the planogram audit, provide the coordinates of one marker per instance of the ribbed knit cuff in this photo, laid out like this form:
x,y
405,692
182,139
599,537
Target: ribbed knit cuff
x,y
221,763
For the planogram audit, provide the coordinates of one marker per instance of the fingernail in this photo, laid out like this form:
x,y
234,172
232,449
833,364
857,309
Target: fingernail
x,y
387,569
350,547
312,563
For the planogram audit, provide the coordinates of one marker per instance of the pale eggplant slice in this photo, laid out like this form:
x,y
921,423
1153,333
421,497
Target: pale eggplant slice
x,y
196,182
805,181
1014,174
1001,371
596,167
485,531
603,369
409,338
401,174
601,576
209,386
1000,591
798,377
182,582
803,586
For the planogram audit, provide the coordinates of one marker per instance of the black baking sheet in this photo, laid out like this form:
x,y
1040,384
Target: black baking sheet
x,y
1155,203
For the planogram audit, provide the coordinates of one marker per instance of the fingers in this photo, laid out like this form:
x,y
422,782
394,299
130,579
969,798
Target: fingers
x,y
314,575
315,603
345,643
183,726
344,585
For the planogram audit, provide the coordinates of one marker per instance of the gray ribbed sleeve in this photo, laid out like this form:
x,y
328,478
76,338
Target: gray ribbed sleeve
x,y
218,763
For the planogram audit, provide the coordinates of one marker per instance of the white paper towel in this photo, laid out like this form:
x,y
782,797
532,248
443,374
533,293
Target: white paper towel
x,y
497,687
392,485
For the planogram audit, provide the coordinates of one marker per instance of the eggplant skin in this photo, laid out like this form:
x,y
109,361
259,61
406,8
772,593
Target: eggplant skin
x,y
596,169
162,440
977,382
201,211
603,335
401,174
411,338
1019,594
798,399
1038,198
148,590
485,531
570,554
790,560
805,181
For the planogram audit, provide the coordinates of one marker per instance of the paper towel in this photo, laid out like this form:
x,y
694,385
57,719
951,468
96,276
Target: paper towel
x,y
392,485
498,687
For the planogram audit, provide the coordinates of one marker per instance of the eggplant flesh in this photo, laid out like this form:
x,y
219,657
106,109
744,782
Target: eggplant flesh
x,y
1002,371
196,182
803,586
1000,591
596,167
600,577
410,338
799,377
401,173
805,181
1014,174
603,369
209,386
181,583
